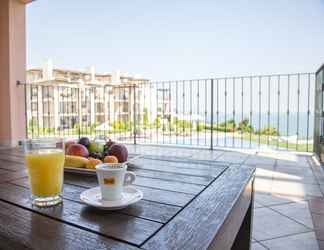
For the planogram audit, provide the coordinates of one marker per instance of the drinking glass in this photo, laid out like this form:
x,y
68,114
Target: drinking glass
x,y
45,164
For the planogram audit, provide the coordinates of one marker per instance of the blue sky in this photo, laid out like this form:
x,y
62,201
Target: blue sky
x,y
178,39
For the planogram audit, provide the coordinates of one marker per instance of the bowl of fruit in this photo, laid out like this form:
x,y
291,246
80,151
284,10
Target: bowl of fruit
x,y
83,155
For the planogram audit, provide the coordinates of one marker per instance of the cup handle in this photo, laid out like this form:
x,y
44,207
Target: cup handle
x,y
129,178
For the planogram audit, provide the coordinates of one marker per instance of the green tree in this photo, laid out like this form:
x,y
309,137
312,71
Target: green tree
x,y
157,122
244,126
268,131
227,126
145,118
199,126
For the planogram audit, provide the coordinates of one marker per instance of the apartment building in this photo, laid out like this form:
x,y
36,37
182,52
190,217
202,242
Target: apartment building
x,y
62,99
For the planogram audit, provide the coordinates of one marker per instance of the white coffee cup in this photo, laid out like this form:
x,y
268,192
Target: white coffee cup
x,y
112,178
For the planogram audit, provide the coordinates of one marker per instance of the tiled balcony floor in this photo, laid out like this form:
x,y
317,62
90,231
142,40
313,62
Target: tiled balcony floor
x,y
289,203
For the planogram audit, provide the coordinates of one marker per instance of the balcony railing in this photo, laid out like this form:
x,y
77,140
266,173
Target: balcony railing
x,y
275,111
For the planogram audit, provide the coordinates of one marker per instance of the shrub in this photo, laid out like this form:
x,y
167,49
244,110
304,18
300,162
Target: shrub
x,y
268,131
244,126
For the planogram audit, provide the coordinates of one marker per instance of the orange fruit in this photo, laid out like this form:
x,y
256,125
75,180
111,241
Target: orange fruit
x,y
92,163
110,159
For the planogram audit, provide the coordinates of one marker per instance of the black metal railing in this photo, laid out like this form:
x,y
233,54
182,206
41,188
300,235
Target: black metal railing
x,y
275,111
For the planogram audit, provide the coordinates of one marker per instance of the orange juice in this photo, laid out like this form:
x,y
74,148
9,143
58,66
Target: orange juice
x,y
45,170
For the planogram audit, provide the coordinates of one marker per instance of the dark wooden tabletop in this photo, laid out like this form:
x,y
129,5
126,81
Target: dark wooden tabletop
x,y
185,206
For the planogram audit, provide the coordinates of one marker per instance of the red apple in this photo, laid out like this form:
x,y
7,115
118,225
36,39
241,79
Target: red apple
x,y
77,150
67,144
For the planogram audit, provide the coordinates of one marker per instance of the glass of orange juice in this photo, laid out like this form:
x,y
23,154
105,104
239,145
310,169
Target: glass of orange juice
x,y
45,164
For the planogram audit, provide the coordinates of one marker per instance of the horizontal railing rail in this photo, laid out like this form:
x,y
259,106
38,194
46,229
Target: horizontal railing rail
x,y
262,111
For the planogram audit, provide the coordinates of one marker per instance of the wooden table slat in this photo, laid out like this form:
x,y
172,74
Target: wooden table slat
x,y
204,216
23,229
119,226
151,194
205,180
143,209
171,167
11,166
12,158
5,177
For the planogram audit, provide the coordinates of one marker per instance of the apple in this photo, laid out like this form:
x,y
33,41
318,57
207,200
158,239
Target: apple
x,y
67,144
77,150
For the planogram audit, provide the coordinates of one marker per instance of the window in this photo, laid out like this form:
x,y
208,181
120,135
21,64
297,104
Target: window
x,y
123,94
34,91
99,107
33,106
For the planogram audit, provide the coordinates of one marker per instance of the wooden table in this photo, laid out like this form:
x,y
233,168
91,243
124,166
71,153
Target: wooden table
x,y
187,205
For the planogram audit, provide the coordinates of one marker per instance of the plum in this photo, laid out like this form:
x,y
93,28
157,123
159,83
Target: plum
x,y
84,141
120,151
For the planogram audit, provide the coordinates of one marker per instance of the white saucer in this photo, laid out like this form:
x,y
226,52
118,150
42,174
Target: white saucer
x,y
92,197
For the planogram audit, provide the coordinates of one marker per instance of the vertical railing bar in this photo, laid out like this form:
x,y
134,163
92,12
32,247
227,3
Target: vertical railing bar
x,y
31,108
135,115
94,111
163,113
80,112
269,90
69,103
142,122
242,108
212,114
288,106
116,112
190,111
86,112
298,100
205,111
67,110
170,114
158,115
251,103
120,110
64,110
150,120
198,113
177,116
26,118
70,112
233,135
278,111
59,98
48,111
76,113
308,112
183,110
43,104
225,134
217,111
104,109
259,140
